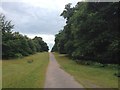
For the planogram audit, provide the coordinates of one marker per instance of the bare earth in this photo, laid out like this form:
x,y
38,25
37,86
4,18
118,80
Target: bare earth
x,y
58,78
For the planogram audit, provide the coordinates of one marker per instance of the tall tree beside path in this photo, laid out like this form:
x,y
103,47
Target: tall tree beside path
x,y
91,32
16,45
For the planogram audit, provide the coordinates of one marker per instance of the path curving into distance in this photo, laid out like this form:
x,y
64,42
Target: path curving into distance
x,y
57,77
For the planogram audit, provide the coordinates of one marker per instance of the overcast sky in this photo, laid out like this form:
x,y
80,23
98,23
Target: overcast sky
x,y
36,17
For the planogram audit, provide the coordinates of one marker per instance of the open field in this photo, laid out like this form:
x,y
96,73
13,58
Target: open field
x,y
89,76
28,72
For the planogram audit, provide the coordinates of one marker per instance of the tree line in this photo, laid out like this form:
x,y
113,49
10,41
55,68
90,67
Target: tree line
x,y
16,45
91,32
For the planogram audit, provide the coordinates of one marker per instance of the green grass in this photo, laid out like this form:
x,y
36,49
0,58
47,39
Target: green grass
x,y
18,73
0,74
89,76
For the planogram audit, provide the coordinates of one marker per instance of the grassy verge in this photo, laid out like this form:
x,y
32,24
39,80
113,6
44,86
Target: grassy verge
x,y
28,72
89,76
0,74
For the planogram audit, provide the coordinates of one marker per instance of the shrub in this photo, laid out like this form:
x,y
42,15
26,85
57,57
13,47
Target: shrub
x,y
18,55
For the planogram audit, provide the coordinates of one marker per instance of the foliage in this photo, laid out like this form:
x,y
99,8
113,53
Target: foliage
x,y
16,45
91,32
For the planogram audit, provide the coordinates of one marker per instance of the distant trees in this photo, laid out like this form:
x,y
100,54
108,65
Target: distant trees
x,y
40,44
16,45
91,32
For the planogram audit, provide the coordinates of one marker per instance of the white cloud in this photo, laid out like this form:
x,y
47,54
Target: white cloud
x,y
49,4
49,38
33,19
36,17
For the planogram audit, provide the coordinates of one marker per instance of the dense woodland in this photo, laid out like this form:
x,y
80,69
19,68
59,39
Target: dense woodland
x,y
15,45
91,32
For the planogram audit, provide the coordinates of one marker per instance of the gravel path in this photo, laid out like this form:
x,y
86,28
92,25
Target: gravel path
x,y
58,78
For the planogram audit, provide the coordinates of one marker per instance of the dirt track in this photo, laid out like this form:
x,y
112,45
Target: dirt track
x,y
58,78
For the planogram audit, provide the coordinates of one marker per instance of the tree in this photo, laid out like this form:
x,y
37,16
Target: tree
x,y
16,45
91,32
40,44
